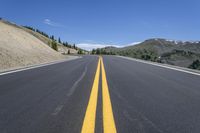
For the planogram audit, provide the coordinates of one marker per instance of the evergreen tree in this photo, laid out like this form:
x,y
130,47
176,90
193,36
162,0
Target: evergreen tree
x,y
59,41
66,44
93,51
74,46
52,38
98,51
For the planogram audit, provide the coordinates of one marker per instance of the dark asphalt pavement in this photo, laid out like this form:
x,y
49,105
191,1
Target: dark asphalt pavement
x,y
145,98
50,99
151,99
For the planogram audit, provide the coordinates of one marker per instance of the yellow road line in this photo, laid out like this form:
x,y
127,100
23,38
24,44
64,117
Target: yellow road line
x,y
90,115
108,119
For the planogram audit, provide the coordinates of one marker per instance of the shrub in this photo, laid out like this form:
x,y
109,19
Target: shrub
x,y
80,51
54,45
68,51
195,65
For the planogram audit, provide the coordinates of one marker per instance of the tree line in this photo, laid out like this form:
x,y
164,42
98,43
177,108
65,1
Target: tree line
x,y
53,42
101,51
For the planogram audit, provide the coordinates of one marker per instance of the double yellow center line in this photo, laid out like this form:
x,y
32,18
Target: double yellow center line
x,y
90,115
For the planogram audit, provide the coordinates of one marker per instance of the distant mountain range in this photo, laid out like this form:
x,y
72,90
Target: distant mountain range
x,y
180,53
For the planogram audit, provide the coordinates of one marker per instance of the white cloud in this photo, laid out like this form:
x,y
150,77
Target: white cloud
x,y
51,23
134,43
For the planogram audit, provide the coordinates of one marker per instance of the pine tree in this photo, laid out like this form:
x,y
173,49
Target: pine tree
x,y
93,51
66,44
59,41
98,51
52,38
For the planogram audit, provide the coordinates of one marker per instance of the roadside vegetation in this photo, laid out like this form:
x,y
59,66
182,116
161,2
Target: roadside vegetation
x,y
195,65
52,41
56,43
102,51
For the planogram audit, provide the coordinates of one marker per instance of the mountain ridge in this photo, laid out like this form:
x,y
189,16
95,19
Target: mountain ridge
x,y
180,53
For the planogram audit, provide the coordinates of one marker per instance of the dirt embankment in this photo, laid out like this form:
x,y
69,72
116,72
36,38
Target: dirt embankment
x,y
19,48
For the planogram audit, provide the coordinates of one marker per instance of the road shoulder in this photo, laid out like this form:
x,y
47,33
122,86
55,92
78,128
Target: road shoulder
x,y
176,68
18,69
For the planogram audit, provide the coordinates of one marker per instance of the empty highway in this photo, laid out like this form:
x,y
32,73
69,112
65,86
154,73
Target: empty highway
x,y
100,94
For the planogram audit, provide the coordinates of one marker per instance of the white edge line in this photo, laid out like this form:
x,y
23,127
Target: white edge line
x,y
37,66
151,63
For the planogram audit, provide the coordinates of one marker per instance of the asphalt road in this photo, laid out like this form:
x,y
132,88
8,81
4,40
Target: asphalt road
x,y
144,98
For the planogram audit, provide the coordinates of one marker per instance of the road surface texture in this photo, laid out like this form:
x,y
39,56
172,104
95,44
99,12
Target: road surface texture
x,y
94,94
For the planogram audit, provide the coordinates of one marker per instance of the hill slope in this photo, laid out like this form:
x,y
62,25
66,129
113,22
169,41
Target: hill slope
x,y
61,48
20,48
161,50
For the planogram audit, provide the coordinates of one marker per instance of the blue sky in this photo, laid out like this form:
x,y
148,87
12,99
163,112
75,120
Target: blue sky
x,y
117,22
